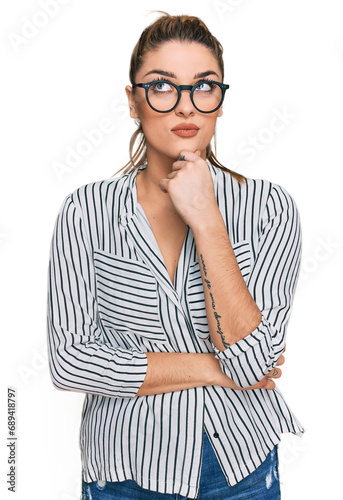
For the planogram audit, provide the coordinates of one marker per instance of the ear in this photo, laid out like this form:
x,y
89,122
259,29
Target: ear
x,y
220,111
132,102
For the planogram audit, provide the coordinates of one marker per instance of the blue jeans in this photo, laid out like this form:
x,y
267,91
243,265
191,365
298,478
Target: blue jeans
x,y
262,483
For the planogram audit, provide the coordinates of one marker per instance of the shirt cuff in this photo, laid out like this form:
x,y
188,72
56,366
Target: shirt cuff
x,y
247,361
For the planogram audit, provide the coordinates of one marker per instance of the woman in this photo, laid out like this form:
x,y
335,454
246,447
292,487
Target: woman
x,y
170,290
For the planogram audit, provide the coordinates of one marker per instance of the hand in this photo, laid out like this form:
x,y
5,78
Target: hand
x,y
265,383
190,187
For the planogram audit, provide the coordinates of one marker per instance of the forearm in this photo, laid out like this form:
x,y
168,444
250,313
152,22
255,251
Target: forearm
x,y
175,371
231,311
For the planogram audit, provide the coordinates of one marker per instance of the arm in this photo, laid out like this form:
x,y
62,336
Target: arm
x,y
233,319
248,322
174,371
79,357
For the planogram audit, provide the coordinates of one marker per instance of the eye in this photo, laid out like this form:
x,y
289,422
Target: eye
x,y
161,86
205,86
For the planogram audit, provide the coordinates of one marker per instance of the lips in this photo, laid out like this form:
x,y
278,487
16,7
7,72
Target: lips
x,y
185,129
185,126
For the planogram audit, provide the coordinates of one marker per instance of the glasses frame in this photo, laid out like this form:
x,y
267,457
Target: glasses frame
x,y
179,88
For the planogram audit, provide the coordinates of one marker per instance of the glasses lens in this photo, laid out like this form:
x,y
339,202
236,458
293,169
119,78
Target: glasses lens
x,y
207,96
162,96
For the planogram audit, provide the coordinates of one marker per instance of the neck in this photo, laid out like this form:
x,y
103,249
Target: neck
x,y
158,167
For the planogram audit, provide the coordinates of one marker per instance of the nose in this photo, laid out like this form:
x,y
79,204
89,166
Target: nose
x,y
185,105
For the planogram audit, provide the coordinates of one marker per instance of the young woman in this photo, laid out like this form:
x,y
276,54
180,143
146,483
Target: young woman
x,y
170,290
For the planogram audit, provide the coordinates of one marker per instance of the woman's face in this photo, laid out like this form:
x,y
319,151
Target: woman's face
x,y
185,60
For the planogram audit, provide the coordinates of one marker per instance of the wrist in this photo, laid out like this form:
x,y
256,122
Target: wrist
x,y
207,222
211,369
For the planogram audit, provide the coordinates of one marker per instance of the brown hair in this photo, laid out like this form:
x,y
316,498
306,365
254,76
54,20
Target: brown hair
x,y
164,29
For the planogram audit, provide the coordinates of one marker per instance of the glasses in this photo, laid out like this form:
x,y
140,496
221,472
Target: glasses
x,y
163,96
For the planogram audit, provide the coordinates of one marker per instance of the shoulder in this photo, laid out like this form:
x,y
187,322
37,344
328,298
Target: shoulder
x,y
94,195
262,193
97,190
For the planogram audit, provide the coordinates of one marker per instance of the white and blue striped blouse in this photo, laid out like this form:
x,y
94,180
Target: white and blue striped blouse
x,y
110,300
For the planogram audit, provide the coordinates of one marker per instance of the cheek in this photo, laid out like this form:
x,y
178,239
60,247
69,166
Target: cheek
x,y
145,112
210,128
154,129
152,124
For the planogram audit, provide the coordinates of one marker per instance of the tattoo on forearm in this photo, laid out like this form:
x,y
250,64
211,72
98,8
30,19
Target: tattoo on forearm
x,y
203,264
216,315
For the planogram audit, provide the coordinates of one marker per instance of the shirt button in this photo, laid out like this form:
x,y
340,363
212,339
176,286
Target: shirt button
x,y
216,435
123,220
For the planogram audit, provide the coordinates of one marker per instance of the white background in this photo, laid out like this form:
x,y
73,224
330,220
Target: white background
x,y
64,78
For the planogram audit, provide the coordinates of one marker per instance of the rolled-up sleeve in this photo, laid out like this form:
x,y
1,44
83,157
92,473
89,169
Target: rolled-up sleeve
x,y
272,284
79,358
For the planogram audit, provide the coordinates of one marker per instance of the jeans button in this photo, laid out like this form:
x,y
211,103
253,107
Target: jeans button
x,y
100,484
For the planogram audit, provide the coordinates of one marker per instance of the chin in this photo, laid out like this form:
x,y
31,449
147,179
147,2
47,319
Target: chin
x,y
187,145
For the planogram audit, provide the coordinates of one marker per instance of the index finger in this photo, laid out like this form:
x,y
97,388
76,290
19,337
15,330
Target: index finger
x,y
189,155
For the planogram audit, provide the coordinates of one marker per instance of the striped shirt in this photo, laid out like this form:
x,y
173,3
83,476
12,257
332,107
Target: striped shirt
x,y
111,300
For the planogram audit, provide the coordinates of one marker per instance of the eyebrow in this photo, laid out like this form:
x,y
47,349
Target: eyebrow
x,y
172,75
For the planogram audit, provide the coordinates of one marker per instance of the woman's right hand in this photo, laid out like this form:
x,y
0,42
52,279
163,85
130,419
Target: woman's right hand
x,y
265,383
